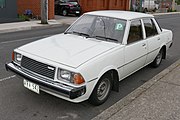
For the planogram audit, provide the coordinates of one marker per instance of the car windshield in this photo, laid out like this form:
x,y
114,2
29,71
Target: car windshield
x,y
99,27
74,3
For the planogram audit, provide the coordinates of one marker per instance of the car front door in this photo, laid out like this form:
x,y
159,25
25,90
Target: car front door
x,y
136,48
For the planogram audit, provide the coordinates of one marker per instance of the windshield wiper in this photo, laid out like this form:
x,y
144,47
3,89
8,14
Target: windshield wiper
x,y
78,33
81,34
100,37
67,32
112,39
106,38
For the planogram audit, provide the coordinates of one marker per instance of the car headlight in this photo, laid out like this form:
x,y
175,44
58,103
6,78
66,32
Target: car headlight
x,y
71,77
16,57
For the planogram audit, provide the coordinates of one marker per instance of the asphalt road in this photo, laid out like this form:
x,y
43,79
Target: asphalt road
x,y
18,103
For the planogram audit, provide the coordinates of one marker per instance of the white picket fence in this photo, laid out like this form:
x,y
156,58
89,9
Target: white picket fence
x,y
177,7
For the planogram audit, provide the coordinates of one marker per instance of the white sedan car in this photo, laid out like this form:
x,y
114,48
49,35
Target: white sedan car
x,y
89,59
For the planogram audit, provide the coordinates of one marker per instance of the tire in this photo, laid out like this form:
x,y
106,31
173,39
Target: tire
x,y
145,10
157,61
57,13
101,91
64,12
77,15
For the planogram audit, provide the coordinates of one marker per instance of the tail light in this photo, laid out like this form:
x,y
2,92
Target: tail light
x,y
70,5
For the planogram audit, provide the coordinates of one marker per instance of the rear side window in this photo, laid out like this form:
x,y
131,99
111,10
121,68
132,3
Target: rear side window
x,y
158,25
150,27
2,3
135,32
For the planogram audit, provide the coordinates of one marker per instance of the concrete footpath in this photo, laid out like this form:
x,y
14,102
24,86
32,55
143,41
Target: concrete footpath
x,y
33,24
157,99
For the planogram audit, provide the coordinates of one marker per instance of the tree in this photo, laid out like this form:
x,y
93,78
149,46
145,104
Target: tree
x,y
44,11
178,2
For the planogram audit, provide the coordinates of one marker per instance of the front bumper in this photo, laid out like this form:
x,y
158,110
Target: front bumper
x,y
47,85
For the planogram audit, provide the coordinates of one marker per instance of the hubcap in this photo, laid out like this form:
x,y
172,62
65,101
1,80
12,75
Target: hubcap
x,y
159,58
103,89
64,12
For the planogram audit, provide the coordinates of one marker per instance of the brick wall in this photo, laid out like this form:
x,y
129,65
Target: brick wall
x,y
35,6
51,9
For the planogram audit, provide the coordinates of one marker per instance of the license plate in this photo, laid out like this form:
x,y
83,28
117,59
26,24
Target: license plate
x,y
77,12
31,86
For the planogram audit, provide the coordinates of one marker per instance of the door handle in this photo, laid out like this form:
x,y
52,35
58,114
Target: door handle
x,y
144,44
159,38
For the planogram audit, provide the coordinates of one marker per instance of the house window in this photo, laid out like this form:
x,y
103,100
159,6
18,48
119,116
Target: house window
x,y
2,3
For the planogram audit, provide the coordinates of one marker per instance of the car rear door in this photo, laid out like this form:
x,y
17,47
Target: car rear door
x,y
153,39
136,48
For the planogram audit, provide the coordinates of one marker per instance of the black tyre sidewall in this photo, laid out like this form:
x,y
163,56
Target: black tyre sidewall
x,y
154,63
94,98
66,12
77,15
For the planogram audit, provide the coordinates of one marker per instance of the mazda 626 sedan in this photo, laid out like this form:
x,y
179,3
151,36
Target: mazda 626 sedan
x,y
89,59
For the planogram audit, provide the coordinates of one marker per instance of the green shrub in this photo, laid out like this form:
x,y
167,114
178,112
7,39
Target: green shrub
x,y
24,17
178,2
170,10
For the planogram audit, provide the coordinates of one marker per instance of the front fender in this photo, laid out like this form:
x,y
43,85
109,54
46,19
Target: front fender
x,y
106,69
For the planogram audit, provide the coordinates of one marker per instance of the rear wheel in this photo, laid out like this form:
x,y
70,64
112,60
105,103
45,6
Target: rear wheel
x,y
145,10
102,90
77,14
158,59
64,12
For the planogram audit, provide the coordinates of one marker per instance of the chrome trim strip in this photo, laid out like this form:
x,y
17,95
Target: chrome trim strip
x,y
92,80
138,58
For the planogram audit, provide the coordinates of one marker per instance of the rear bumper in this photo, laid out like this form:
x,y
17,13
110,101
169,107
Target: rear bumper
x,y
171,45
47,85
74,10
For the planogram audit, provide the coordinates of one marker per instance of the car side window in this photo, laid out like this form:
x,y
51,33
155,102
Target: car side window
x,y
135,32
63,1
150,27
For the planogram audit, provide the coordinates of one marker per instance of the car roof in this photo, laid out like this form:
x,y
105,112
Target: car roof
x,y
126,15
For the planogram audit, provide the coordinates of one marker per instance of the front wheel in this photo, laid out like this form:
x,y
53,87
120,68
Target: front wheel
x,y
158,59
102,90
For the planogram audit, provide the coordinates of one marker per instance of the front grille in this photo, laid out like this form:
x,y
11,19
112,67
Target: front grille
x,y
38,67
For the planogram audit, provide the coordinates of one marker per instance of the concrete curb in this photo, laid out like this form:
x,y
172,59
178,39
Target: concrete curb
x,y
135,94
28,28
15,29
21,26
47,26
169,13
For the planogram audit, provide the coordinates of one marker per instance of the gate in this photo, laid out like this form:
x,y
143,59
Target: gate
x,y
91,5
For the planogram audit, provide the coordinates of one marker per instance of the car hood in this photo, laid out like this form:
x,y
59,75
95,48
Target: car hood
x,y
67,49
